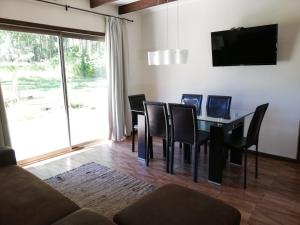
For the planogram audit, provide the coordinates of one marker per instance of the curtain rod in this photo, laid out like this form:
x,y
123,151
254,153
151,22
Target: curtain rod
x,y
83,10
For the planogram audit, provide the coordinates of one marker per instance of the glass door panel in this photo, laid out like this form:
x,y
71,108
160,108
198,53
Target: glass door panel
x,y
86,89
31,82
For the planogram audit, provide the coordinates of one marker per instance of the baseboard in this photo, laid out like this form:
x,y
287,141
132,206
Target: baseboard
x,y
267,155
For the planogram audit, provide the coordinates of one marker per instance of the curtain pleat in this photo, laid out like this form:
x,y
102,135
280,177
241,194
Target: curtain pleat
x,y
116,44
4,130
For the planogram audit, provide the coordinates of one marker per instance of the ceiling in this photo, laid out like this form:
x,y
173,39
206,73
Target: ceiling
x,y
128,6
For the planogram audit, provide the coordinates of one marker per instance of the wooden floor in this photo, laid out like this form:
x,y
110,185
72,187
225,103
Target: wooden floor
x,y
273,198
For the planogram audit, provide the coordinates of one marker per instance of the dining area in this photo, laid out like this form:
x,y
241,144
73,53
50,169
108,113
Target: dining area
x,y
189,128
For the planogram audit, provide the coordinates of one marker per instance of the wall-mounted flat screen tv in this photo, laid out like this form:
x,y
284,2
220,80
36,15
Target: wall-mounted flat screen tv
x,y
245,46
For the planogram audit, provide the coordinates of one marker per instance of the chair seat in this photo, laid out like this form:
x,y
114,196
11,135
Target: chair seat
x,y
235,143
203,137
176,205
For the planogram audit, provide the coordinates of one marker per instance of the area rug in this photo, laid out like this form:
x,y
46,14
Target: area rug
x,y
100,188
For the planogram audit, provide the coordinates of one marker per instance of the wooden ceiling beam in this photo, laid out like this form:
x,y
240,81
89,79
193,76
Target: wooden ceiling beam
x,y
141,4
96,3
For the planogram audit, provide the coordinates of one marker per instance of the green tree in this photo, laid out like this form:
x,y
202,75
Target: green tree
x,y
85,67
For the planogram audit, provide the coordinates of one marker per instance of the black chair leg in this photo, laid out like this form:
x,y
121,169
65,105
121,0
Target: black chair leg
x,y
245,169
195,164
256,161
185,150
167,156
147,151
205,148
172,158
180,145
164,147
151,147
189,152
132,135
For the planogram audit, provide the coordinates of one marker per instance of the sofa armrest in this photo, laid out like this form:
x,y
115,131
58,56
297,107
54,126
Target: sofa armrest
x,y
7,156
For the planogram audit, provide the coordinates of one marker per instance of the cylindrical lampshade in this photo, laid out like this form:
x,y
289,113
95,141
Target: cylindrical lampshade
x,y
167,57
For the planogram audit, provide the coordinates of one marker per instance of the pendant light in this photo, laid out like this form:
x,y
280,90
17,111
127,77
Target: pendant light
x,y
169,56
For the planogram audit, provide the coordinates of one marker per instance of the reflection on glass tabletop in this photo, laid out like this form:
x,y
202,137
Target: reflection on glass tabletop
x,y
232,116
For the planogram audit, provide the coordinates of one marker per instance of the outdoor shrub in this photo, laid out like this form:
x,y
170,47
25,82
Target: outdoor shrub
x,y
85,68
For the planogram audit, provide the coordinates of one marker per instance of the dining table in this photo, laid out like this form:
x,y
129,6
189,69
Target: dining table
x,y
218,127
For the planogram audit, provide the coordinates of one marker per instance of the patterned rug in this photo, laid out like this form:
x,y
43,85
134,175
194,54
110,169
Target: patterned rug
x,y
100,188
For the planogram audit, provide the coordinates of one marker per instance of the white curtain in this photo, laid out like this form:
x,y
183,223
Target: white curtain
x,y
4,131
116,52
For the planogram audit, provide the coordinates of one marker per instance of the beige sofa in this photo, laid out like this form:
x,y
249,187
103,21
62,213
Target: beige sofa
x,y
27,200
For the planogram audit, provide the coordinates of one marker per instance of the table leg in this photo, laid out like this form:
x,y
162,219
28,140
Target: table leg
x,y
236,155
187,153
141,137
216,154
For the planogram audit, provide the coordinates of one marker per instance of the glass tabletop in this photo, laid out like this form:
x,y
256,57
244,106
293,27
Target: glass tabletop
x,y
231,117
137,110
205,121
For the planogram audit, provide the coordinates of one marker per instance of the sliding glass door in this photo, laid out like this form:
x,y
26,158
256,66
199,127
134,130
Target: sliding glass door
x,y
52,102
32,88
86,89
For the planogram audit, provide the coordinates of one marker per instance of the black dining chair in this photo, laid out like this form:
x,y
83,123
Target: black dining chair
x,y
136,108
184,129
218,106
192,99
242,144
157,125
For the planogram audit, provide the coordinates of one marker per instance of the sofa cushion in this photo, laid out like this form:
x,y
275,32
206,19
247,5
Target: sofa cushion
x,y
25,199
84,217
7,156
176,205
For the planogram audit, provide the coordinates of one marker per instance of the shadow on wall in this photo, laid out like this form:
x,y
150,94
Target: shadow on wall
x,y
287,39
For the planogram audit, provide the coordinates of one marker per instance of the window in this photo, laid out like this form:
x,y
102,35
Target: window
x,y
52,102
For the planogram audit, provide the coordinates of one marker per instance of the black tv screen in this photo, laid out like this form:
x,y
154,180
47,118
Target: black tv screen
x,y
245,46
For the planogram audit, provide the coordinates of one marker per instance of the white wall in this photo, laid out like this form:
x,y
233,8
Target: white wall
x,y
249,85
136,64
37,12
